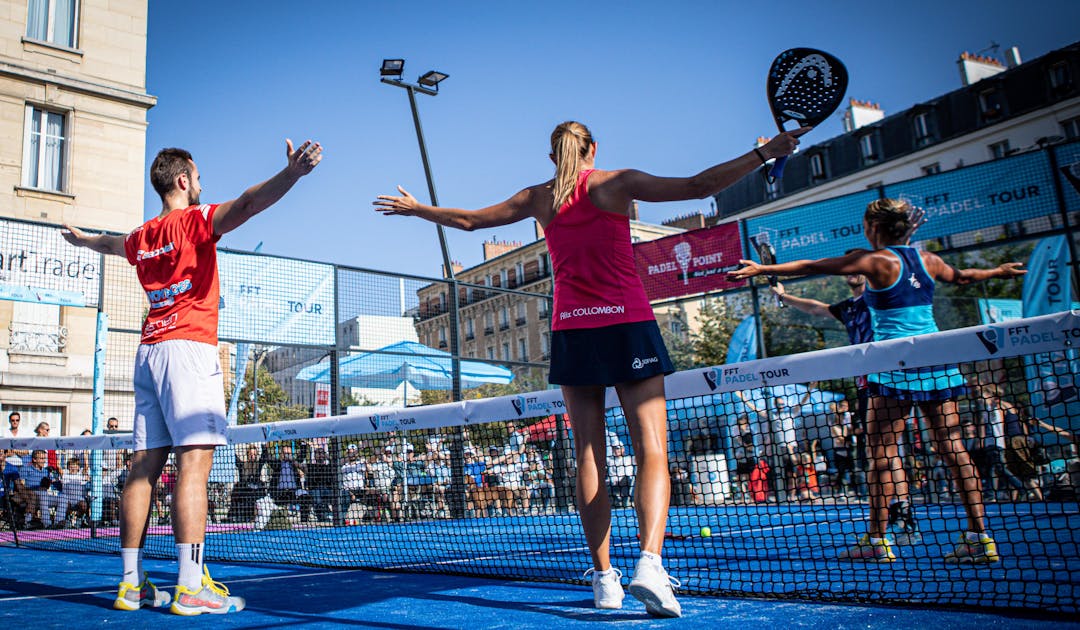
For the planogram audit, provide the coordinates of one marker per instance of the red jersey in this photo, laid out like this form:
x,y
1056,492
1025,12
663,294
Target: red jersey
x,y
592,260
176,260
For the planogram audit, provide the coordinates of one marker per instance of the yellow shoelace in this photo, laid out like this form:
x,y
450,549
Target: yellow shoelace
x,y
209,582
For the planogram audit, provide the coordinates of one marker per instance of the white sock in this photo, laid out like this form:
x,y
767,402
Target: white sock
x,y
651,557
975,536
875,541
131,558
190,558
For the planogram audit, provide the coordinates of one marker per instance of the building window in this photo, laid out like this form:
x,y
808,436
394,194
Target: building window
x,y
817,166
470,331
523,350
442,336
506,351
998,150
519,269
36,328
491,353
53,21
992,103
487,281
868,148
932,169
1060,79
542,261
504,318
542,307
521,315
676,328
1071,128
489,323
44,149
468,294
504,275
921,128
544,347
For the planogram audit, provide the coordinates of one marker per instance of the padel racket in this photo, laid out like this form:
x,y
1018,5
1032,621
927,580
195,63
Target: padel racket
x,y
767,256
805,85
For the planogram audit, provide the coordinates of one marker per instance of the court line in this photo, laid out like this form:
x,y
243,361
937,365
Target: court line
x,y
238,581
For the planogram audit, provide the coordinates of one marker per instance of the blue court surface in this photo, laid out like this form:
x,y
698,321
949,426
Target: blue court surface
x,y
47,589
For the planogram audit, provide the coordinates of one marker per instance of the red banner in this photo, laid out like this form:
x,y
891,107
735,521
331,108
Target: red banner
x,y
692,262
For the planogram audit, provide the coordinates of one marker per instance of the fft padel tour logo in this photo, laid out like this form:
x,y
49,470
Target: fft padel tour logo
x,y
991,338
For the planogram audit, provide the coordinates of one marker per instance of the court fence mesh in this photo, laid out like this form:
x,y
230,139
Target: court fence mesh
x,y
770,478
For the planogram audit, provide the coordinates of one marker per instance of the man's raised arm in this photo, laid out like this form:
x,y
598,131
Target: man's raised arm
x,y
100,243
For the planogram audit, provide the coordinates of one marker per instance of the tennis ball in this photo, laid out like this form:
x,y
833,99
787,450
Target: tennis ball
x,y
706,532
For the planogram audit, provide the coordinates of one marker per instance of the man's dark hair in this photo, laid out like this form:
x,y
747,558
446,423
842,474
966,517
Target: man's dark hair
x,y
168,164
13,414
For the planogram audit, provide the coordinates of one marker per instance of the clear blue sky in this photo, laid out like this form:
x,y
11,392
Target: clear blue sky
x,y
667,87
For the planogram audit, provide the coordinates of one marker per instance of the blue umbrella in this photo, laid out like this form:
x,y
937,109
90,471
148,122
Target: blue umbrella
x,y
407,362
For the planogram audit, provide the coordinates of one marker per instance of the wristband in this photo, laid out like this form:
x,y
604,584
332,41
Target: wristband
x,y
760,155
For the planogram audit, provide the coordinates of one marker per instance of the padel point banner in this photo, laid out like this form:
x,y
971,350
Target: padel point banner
x,y
688,263
38,265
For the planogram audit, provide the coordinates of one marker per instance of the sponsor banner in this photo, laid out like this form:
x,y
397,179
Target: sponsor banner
x,y
981,196
997,310
692,262
265,299
38,265
322,400
531,405
816,230
743,345
1047,285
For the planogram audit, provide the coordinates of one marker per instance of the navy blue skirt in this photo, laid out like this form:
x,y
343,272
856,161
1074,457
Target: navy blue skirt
x,y
609,355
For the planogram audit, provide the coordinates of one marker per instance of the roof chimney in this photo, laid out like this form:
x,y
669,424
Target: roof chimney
x,y
495,248
1012,57
861,113
975,68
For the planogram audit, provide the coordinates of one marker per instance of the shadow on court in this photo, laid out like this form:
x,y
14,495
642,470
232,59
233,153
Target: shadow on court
x,y
59,589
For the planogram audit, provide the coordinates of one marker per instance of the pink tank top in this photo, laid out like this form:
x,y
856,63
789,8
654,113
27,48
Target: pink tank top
x,y
596,281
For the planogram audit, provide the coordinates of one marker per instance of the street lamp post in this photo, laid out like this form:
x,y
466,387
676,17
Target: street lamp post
x,y
428,83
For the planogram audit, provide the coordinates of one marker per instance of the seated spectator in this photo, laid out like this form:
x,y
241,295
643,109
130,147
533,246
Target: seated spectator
x,y
320,483
15,501
807,482
382,475
112,425
73,496
682,491
476,493
541,489
163,492
620,476
354,482
439,466
287,481
250,486
41,497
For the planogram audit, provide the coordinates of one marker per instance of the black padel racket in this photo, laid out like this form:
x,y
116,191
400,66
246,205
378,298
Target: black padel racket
x,y
805,85
767,256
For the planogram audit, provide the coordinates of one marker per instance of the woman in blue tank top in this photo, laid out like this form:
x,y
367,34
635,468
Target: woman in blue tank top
x,y
900,295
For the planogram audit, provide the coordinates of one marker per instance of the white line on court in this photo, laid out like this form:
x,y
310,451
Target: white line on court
x,y
240,581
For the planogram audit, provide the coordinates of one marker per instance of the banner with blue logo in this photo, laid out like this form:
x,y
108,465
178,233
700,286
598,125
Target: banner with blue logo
x,y
270,300
986,195
38,265
1054,377
817,230
996,310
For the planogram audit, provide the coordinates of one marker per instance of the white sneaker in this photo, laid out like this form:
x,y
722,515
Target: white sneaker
x,y
652,586
606,588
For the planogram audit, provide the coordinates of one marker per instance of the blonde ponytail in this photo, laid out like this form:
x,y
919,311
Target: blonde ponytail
x,y
570,144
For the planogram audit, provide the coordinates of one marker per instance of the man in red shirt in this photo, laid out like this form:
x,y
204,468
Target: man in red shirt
x,y
179,395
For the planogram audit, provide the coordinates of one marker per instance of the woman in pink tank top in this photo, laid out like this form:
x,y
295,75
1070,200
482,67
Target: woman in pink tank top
x,y
604,333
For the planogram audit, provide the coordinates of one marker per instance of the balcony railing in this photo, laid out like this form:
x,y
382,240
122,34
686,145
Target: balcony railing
x,y
38,338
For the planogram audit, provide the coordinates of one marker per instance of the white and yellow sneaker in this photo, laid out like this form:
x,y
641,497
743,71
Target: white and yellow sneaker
x,y
212,598
132,597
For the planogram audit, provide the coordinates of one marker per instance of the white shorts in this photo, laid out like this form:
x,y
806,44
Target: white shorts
x,y
179,395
